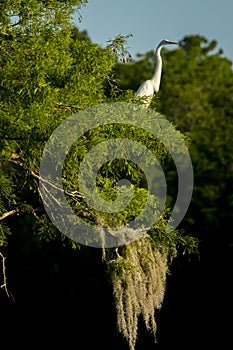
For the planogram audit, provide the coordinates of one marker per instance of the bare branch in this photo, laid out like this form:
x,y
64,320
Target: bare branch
x,y
4,285
9,213
74,194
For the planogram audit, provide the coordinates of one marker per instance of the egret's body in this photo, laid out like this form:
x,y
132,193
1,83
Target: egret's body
x,y
151,86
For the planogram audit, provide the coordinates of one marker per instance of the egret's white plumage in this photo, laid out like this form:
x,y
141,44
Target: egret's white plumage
x,y
151,86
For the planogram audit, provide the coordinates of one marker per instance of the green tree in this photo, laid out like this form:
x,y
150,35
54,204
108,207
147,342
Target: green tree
x,y
49,71
45,76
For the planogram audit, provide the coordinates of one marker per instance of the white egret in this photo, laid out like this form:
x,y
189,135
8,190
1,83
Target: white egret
x,y
151,86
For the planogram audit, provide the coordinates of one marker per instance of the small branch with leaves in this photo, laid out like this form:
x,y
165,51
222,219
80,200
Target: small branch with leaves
x,y
119,49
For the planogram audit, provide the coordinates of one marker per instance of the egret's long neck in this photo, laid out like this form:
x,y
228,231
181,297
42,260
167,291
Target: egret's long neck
x,y
158,70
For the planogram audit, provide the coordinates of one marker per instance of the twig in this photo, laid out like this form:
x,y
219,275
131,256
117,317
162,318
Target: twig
x,y
4,285
11,212
16,23
73,194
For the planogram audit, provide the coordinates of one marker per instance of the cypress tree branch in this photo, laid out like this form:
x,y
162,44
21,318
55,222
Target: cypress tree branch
x,y
9,213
